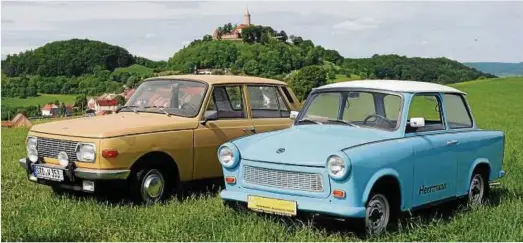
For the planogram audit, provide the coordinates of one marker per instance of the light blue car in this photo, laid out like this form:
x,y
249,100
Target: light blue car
x,y
368,150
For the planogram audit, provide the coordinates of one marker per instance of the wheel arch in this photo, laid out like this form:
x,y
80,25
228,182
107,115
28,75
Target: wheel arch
x,y
384,175
482,164
158,158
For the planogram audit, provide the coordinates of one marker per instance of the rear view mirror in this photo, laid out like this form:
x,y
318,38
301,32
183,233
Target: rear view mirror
x,y
293,115
417,122
209,116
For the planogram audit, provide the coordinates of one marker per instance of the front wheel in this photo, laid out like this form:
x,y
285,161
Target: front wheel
x,y
377,214
149,186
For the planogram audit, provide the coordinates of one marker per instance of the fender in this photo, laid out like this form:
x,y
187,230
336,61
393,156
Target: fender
x,y
379,174
473,166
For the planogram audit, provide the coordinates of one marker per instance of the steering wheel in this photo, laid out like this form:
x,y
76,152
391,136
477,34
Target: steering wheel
x,y
379,118
188,105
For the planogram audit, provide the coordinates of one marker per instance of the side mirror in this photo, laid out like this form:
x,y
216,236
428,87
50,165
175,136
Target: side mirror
x,y
417,122
293,115
209,116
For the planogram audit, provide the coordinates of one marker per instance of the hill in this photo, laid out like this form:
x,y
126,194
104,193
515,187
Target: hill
x,y
67,58
498,68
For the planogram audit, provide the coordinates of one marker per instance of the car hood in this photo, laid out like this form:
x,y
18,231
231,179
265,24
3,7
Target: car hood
x,y
114,125
308,145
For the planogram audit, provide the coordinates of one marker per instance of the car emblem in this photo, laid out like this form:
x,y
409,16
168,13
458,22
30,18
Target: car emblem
x,y
280,150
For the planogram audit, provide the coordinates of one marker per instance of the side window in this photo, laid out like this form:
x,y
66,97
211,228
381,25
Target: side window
x,y
287,94
227,101
429,107
267,102
456,111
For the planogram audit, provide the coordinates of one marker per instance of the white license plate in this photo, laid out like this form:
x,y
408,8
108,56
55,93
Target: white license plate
x,y
49,173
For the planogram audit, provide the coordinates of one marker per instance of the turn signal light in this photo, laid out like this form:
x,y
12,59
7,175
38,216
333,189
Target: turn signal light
x,y
230,179
338,193
109,153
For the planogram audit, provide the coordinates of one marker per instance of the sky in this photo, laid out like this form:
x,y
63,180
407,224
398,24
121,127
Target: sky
x,y
464,31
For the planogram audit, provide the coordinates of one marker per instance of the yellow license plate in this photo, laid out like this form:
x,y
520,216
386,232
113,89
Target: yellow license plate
x,y
271,205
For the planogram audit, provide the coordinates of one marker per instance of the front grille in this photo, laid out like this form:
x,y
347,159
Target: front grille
x,y
49,148
283,179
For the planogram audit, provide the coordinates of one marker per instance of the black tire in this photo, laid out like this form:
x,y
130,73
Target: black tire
x,y
150,185
478,189
378,214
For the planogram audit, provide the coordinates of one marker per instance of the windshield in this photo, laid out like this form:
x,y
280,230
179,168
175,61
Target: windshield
x,y
353,108
178,97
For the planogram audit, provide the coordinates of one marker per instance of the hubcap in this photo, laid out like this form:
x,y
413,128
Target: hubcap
x,y
153,184
377,214
476,190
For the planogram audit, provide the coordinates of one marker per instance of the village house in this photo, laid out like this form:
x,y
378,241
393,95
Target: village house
x,y
50,110
107,103
235,34
18,121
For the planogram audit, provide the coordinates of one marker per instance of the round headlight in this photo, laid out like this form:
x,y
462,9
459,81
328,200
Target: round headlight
x,y
226,156
337,167
63,159
85,152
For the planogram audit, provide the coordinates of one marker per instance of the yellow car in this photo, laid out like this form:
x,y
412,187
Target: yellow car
x,y
167,133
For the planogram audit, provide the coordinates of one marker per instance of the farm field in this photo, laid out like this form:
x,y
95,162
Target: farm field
x,y
40,100
31,212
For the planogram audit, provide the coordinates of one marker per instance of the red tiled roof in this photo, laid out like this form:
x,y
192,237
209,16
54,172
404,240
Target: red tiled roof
x,y
241,26
107,102
7,124
47,107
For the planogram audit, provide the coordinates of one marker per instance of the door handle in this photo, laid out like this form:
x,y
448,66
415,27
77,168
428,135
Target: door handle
x,y
249,129
451,142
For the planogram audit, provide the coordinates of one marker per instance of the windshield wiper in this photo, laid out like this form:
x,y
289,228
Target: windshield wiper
x,y
161,108
344,122
309,120
132,107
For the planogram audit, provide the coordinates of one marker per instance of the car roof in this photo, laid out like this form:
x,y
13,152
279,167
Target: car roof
x,y
395,86
221,79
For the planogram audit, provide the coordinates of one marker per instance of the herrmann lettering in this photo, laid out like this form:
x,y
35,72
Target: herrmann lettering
x,y
430,189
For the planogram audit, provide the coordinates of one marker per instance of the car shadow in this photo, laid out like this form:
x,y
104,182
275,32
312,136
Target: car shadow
x,y
119,195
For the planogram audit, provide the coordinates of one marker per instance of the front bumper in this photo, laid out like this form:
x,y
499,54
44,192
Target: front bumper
x,y
75,178
304,204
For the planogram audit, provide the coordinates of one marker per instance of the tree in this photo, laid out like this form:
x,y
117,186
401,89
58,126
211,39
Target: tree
x,y
306,79
81,102
63,109
251,68
120,99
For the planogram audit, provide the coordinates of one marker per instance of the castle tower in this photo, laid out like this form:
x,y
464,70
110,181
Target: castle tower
x,y
247,17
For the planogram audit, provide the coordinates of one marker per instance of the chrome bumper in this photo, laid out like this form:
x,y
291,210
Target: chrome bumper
x,y
89,174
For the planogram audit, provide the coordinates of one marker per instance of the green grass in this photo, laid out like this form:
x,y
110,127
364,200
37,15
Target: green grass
x,y
135,68
41,100
342,78
32,212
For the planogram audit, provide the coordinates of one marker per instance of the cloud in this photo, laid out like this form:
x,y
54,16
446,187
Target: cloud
x,y
149,35
158,29
355,25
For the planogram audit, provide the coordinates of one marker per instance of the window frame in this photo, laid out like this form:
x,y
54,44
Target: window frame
x,y
443,118
467,108
278,92
211,98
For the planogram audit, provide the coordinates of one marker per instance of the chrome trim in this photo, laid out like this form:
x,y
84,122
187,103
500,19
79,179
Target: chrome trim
x,y
88,174
50,147
92,174
292,180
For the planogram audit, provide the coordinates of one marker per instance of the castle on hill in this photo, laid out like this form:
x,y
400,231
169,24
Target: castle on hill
x,y
236,33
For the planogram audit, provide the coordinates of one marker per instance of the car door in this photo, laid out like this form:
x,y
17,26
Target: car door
x,y
435,160
232,121
269,110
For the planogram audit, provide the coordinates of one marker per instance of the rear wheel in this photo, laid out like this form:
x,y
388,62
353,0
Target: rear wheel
x,y
377,214
478,189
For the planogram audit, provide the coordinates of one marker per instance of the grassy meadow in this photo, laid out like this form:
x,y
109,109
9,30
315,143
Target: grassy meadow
x,y
41,100
31,212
